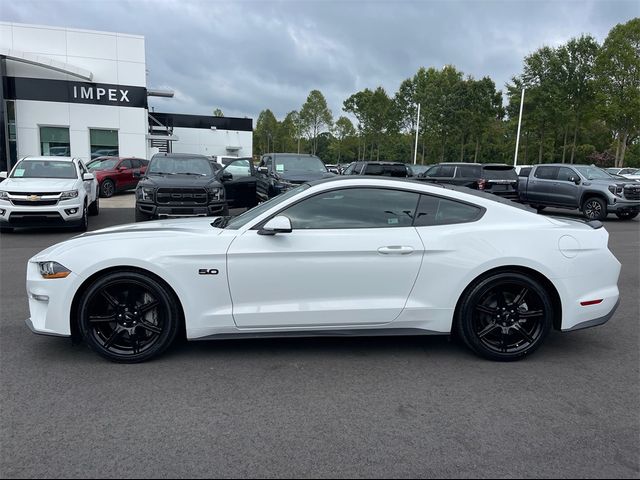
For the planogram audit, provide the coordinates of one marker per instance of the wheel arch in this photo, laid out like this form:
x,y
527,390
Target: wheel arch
x,y
590,194
76,336
544,281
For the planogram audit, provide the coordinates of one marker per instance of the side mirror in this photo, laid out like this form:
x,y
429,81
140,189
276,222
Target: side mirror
x,y
3,174
264,170
88,176
279,224
575,180
226,177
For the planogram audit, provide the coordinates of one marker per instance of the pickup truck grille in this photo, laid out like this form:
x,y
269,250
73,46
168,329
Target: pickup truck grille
x,y
182,196
632,192
36,203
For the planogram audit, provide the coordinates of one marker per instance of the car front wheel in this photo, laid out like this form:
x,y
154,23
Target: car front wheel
x,y
107,189
505,316
594,208
128,317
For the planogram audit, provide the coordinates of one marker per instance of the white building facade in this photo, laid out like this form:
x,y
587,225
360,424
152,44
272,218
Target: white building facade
x,y
84,93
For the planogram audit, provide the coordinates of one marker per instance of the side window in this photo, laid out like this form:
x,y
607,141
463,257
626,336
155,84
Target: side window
x,y
565,173
546,173
239,168
467,171
126,164
354,208
432,172
135,163
82,169
524,172
349,169
447,171
359,168
441,211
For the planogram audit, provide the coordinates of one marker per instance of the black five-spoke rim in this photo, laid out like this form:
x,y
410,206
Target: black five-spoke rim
x,y
593,209
508,319
125,317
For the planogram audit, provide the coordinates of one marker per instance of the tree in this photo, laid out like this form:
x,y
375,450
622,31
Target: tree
x,y
218,113
618,80
315,117
265,132
342,129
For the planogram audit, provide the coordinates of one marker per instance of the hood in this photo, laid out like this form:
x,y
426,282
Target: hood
x,y
144,232
40,185
303,177
178,181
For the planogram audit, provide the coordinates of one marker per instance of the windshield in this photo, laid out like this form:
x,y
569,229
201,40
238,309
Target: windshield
x,y
255,212
593,173
180,166
103,164
44,169
289,163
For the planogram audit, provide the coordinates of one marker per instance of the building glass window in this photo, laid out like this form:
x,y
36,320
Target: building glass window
x,y
54,141
104,143
12,137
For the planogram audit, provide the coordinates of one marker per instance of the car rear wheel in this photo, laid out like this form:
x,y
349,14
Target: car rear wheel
x,y
594,208
505,316
107,189
128,317
627,215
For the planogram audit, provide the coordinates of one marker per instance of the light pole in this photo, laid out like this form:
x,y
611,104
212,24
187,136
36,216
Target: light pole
x,y
415,150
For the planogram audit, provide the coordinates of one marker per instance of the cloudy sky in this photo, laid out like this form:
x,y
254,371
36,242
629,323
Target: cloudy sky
x,y
244,56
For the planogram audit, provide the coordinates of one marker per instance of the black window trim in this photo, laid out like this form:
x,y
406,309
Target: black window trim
x,y
482,210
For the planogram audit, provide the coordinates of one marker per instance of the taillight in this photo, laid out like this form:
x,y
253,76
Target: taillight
x,y
482,183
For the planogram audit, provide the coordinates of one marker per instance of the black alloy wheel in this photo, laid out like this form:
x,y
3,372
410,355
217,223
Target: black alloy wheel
x,y
594,209
128,317
627,215
107,189
505,316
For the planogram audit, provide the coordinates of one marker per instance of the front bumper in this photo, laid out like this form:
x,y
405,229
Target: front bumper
x,y
181,209
61,214
622,205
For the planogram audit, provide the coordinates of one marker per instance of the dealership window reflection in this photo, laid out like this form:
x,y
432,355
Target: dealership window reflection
x,y
104,143
54,141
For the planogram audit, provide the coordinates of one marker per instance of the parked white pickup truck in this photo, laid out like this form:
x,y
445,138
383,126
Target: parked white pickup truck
x,y
39,191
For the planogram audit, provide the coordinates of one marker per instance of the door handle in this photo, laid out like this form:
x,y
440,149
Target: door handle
x,y
395,250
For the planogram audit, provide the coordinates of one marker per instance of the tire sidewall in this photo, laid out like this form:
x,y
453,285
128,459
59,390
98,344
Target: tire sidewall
x,y
164,297
475,292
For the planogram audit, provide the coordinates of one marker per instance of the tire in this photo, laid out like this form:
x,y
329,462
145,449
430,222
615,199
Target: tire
x,y
83,226
142,217
505,316
94,208
594,208
627,215
128,317
107,188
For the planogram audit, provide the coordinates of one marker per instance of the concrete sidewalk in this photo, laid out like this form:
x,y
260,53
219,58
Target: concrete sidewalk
x,y
120,200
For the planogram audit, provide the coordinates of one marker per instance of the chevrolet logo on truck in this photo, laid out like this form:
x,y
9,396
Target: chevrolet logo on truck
x,y
34,198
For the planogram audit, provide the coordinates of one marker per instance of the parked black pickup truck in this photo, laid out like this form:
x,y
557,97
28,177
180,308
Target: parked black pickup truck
x,y
585,187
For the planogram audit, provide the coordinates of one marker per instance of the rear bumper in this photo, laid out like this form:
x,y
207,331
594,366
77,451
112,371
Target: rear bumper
x,y
596,321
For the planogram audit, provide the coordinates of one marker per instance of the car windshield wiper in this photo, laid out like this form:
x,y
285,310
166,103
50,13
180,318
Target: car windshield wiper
x,y
221,222
161,173
189,173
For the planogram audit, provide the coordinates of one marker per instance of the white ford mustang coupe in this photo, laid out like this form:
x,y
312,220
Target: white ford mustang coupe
x,y
346,256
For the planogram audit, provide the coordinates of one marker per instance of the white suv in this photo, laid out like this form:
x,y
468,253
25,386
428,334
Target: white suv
x,y
41,191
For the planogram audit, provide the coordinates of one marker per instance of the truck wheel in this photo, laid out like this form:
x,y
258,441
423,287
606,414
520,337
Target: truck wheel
x,y
594,208
627,215
84,222
94,208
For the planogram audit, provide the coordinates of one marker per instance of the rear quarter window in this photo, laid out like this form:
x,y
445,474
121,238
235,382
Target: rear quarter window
x,y
434,210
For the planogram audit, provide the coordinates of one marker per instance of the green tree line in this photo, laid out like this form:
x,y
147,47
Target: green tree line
x,y
582,104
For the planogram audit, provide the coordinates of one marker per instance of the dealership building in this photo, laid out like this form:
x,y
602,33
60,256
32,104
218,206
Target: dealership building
x,y
84,93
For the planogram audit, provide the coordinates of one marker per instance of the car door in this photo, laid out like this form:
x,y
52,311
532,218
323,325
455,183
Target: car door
x,y
565,191
124,177
239,180
351,260
541,185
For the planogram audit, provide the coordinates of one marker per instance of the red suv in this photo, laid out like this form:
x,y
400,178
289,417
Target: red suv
x,y
115,174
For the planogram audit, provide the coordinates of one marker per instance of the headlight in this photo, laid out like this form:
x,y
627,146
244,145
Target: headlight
x,y
616,190
145,193
53,270
69,194
216,192
4,195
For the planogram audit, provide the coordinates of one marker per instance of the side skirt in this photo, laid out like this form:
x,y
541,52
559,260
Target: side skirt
x,y
374,332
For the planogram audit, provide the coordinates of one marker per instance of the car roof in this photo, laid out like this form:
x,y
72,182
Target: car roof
x,y
50,157
283,154
180,155
381,162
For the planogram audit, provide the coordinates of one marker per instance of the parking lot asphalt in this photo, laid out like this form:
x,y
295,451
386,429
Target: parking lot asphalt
x,y
381,407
